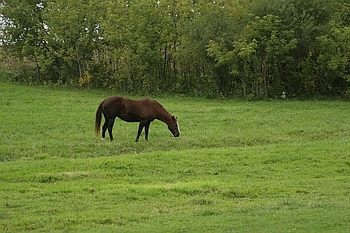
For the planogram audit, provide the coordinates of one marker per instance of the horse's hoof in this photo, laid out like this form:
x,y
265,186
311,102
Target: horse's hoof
x,y
102,139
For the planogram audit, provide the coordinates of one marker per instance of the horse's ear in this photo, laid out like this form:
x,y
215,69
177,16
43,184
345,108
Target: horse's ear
x,y
173,117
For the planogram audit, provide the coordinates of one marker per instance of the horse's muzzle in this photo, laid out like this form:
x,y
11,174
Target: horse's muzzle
x,y
176,135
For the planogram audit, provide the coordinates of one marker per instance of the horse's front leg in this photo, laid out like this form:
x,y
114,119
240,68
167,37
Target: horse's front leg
x,y
146,130
141,125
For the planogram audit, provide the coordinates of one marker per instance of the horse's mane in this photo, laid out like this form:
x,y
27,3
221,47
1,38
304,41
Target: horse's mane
x,y
160,110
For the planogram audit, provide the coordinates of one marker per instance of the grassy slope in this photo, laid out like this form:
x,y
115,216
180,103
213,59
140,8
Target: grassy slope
x,y
279,166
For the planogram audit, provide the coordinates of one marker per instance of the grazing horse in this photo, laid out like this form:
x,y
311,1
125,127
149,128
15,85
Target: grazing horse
x,y
143,111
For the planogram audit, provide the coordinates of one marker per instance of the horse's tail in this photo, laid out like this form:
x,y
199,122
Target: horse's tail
x,y
98,119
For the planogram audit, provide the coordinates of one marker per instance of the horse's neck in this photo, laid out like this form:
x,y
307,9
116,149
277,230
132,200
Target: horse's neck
x,y
163,115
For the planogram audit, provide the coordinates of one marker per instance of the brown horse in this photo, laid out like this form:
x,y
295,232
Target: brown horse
x,y
143,111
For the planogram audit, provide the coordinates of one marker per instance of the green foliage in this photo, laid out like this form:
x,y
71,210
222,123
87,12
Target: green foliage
x,y
258,56
244,49
237,166
334,57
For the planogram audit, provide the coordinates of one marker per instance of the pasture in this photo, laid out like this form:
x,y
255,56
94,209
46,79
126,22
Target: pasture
x,y
278,166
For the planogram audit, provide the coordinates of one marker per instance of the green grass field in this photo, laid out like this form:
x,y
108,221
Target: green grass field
x,y
278,166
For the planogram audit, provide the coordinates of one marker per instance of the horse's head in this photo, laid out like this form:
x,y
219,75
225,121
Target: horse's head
x,y
173,126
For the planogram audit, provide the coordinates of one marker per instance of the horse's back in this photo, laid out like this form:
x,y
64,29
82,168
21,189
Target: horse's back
x,y
113,106
143,109
128,109
144,103
112,100
131,110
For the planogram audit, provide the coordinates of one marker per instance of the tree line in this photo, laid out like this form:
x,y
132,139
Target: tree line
x,y
250,49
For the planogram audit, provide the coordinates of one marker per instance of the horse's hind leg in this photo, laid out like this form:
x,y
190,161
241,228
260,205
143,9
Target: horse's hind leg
x,y
110,128
104,128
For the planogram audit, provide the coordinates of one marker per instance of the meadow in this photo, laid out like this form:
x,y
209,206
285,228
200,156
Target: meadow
x,y
238,166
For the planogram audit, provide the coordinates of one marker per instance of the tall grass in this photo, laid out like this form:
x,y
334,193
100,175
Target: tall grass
x,y
280,166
